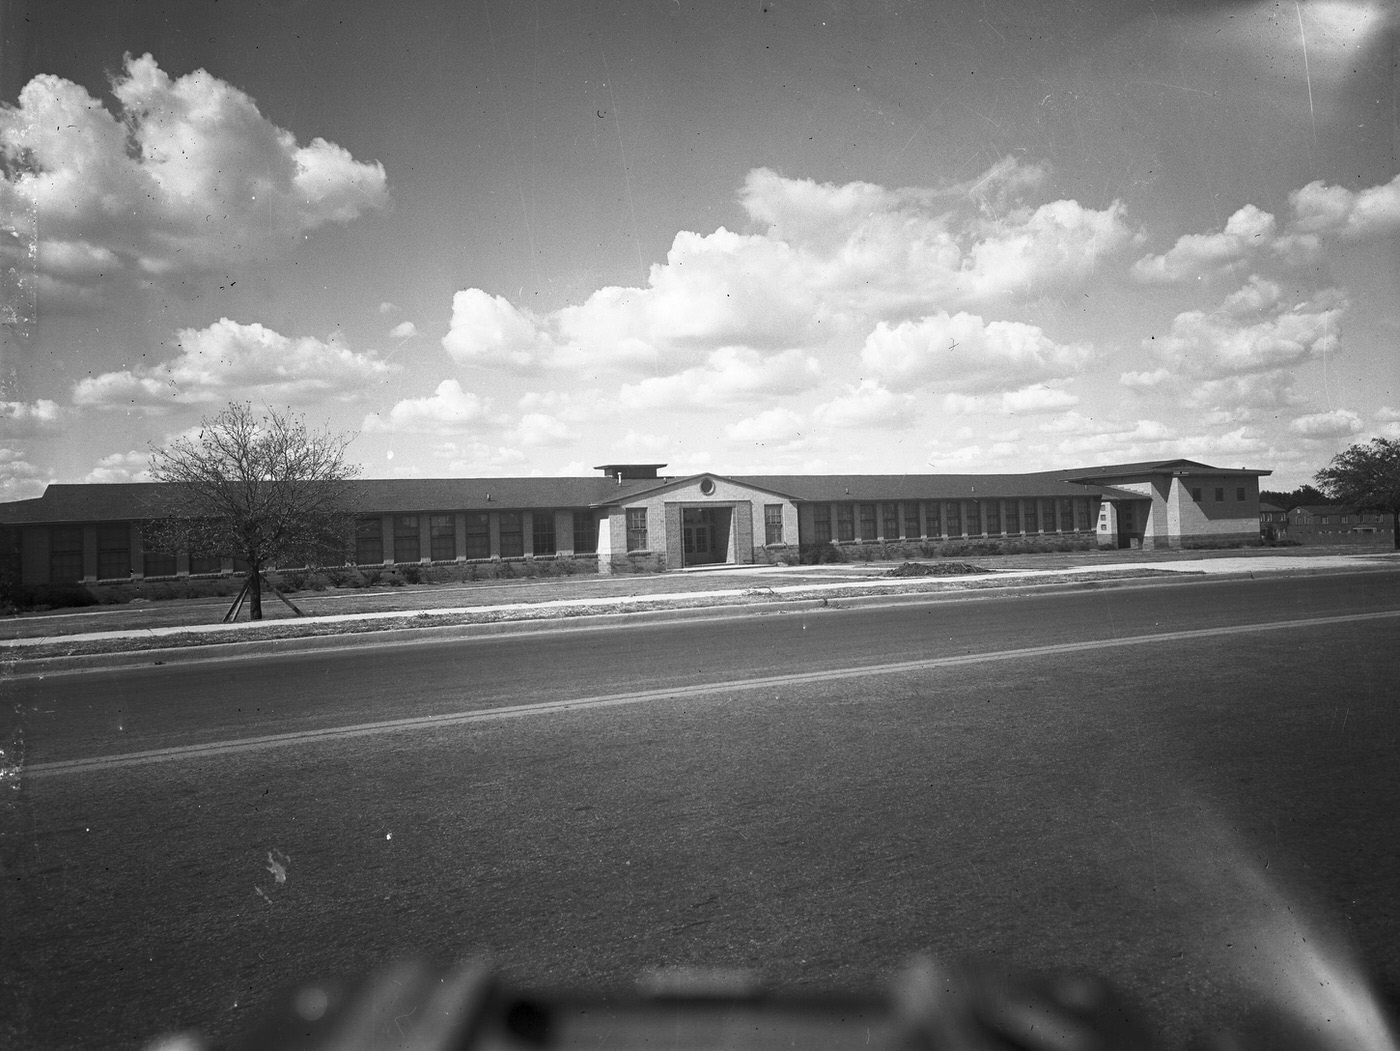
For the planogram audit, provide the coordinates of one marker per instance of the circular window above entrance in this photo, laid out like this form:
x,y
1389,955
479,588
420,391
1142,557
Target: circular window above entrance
x,y
707,486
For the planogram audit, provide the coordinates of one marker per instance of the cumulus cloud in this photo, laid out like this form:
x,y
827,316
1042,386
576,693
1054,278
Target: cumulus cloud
x,y
1252,330
1193,254
231,361
1338,423
1322,209
21,419
868,406
730,376
1027,401
965,354
133,466
19,479
448,410
186,174
827,262
403,330
771,427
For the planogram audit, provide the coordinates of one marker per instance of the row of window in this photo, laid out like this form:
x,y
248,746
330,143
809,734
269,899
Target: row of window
x,y
1219,494
114,560
406,541
915,520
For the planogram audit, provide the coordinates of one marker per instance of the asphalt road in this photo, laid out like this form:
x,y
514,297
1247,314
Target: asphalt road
x,y
1155,783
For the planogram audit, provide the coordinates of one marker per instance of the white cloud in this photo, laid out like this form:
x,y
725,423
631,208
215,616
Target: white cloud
x,y
729,377
487,331
1387,414
1027,401
539,428
1248,230
121,467
448,410
231,361
19,479
770,427
21,419
1338,423
403,330
963,353
866,406
1251,331
1372,212
186,175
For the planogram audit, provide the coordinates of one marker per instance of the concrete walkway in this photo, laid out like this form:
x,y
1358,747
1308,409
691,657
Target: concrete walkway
x,y
767,585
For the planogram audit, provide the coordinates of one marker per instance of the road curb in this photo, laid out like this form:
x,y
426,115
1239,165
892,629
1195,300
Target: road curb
x,y
358,635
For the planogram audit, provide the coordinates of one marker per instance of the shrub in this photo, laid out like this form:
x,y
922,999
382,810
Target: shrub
x,y
410,573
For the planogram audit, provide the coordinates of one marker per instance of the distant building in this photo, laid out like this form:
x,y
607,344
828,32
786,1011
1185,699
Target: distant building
x,y
631,514
1273,522
1339,524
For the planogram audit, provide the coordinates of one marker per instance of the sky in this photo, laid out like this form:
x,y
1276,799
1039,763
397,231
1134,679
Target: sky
x,y
495,237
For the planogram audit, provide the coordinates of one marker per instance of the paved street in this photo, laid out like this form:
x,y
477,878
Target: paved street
x,y
1142,781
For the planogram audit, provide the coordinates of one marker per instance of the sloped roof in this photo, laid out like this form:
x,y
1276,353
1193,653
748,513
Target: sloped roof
x,y
837,487
1112,470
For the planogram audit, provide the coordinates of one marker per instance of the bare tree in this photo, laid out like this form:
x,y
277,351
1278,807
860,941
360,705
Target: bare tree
x,y
1368,478
260,487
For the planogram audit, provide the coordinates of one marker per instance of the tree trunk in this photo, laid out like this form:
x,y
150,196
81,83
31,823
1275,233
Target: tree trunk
x,y
255,593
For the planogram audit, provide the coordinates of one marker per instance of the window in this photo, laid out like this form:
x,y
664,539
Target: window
x,y
1048,521
65,554
912,531
845,522
867,522
1013,516
542,532
772,523
1196,494
585,532
113,551
1219,494
369,541
991,516
1081,513
1239,493
200,564
442,538
478,534
157,563
934,511
889,528
1032,521
821,523
1066,514
406,544
512,535
952,518
636,529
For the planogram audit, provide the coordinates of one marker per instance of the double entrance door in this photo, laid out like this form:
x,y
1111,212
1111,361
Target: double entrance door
x,y
705,534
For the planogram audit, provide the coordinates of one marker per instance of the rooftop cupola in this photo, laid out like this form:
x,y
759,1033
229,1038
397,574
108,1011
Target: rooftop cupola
x,y
626,472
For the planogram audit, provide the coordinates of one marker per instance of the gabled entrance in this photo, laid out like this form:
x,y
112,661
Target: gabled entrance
x,y
705,535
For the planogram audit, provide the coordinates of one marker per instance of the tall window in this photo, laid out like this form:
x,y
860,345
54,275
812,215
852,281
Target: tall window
x,y
821,523
1219,494
1049,523
1013,516
157,563
889,528
406,543
512,535
952,518
542,532
66,554
585,532
1032,519
636,529
1081,513
772,523
867,522
369,541
478,534
991,516
1066,514
845,522
912,531
203,564
113,551
442,538
933,510
1239,493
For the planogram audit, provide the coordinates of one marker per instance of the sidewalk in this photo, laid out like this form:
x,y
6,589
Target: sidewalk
x,y
72,634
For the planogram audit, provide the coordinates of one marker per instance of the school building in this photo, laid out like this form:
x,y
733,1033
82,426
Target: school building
x,y
632,514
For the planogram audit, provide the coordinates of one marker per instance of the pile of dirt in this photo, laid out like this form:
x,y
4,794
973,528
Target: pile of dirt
x,y
936,569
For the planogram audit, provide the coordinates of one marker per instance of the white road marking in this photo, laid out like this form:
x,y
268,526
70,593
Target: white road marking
x,y
518,711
